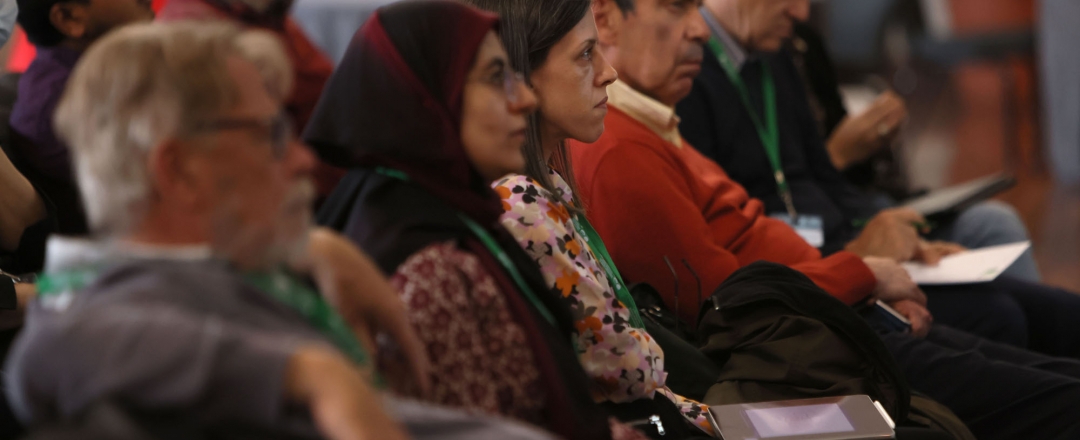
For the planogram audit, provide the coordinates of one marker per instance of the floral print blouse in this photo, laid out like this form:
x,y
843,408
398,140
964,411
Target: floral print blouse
x,y
625,363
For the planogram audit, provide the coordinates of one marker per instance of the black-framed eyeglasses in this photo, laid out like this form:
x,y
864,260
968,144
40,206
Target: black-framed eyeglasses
x,y
278,129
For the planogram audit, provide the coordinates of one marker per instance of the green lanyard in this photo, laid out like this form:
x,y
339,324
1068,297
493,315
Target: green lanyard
x,y
52,284
492,246
769,131
298,296
586,231
283,288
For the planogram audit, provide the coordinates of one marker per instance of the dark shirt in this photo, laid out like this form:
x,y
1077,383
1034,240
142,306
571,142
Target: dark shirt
x,y
715,121
39,154
32,117
819,77
881,172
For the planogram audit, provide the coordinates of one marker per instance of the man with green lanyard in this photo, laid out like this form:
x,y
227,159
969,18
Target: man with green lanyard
x,y
751,76
748,112
186,308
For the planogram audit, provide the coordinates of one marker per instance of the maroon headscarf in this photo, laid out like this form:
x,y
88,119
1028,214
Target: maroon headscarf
x,y
395,102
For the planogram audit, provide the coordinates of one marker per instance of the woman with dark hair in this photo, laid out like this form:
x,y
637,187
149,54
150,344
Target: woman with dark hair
x,y
426,111
555,50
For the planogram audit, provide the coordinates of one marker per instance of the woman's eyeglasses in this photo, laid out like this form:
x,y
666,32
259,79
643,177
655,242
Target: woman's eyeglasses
x,y
508,80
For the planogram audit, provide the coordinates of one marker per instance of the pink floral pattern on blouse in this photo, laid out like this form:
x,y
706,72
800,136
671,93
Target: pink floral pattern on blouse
x,y
624,362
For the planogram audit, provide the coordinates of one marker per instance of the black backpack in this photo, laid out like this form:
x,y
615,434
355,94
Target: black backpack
x,y
779,336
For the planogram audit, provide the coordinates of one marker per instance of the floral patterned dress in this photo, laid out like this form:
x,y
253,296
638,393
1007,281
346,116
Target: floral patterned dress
x,y
624,362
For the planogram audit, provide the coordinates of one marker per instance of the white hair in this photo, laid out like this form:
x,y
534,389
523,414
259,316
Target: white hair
x,y
142,85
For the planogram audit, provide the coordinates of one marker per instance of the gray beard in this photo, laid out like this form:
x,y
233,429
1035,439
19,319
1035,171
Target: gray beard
x,y
278,241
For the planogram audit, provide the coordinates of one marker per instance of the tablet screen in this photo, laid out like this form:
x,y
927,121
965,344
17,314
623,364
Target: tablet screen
x,y
799,420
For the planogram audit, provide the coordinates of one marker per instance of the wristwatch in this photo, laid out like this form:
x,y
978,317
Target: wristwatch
x,y
9,299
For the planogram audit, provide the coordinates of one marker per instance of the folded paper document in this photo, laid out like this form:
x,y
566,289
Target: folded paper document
x,y
974,266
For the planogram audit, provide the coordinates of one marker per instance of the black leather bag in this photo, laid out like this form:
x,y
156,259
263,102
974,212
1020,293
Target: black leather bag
x,y
778,336
651,305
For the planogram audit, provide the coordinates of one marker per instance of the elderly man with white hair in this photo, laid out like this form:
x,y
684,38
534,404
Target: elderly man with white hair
x,y
183,310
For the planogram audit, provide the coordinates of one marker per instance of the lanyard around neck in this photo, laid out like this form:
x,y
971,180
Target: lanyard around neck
x,y
492,246
769,130
319,313
592,239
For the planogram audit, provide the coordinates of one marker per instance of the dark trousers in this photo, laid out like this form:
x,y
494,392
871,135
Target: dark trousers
x,y
1037,317
999,391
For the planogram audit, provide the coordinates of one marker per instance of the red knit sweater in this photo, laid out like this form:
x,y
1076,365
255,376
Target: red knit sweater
x,y
649,199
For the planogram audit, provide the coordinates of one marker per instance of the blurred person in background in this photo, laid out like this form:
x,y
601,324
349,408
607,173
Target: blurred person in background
x,y
61,30
749,113
858,144
9,12
750,38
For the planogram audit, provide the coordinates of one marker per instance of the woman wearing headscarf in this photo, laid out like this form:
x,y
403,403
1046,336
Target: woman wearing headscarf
x,y
426,112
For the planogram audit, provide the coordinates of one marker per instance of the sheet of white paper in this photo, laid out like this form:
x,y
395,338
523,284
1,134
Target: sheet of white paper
x,y
974,266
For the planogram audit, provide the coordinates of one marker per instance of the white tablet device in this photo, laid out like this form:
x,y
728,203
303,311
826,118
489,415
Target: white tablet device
x,y
830,418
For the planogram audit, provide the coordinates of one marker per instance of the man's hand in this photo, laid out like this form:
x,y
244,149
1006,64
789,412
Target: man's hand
x,y
893,282
916,313
342,404
932,252
890,234
357,288
860,136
